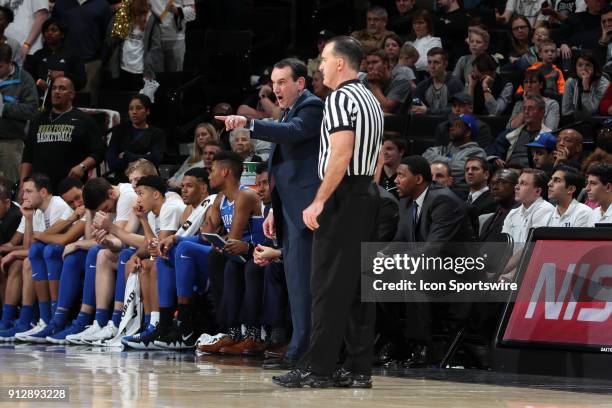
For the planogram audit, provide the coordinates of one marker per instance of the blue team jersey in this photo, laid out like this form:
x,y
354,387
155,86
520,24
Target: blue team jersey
x,y
253,232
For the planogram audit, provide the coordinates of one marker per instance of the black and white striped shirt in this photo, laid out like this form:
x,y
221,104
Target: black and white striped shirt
x,y
353,107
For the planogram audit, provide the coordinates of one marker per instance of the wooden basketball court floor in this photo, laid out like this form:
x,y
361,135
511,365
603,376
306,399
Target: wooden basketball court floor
x,y
104,378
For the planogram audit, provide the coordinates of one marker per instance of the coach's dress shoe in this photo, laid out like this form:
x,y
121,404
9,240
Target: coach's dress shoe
x,y
344,378
421,357
276,350
224,341
279,363
247,347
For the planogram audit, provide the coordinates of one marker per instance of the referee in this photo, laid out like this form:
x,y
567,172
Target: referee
x,y
342,215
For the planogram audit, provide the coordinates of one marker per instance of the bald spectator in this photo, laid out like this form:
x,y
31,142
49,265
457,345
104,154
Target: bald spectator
x,y
65,142
376,28
569,147
441,173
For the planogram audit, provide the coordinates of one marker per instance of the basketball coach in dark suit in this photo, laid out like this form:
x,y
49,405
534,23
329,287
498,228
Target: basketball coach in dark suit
x,y
294,182
432,214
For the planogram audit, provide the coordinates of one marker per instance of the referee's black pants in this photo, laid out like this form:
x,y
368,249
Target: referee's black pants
x,y
348,218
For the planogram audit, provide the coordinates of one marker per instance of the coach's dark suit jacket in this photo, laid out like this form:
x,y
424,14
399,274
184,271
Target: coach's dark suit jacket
x,y
443,218
294,157
484,204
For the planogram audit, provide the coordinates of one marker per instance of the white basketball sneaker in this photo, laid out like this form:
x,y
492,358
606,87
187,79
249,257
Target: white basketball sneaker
x,y
79,337
106,333
24,336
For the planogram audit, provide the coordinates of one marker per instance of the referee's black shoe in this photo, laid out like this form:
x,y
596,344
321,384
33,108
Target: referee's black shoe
x,y
344,378
298,378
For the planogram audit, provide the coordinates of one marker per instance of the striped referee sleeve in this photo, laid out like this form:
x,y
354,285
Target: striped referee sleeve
x,y
340,113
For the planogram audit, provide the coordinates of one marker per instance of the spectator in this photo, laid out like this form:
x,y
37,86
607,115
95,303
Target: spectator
x,y
461,104
555,83
17,106
262,104
533,84
64,142
54,60
6,18
435,91
408,56
139,56
441,173
478,41
401,24
563,187
10,215
604,48
393,151
240,140
491,95
585,89
88,22
569,147
462,133
314,63
510,145
582,30
26,27
540,34
503,184
392,90
557,12
479,200
529,9
135,139
376,28
204,133
422,24
450,26
391,45
518,50
318,88
543,152
173,16
211,148
599,189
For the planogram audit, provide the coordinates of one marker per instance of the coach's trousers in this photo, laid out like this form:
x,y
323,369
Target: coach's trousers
x,y
348,218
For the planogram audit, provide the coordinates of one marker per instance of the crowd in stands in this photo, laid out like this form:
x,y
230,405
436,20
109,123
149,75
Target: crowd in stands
x,y
71,239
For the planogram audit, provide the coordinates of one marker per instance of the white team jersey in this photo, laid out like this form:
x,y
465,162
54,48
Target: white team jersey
x,y
41,221
169,218
597,217
125,204
576,215
194,222
519,220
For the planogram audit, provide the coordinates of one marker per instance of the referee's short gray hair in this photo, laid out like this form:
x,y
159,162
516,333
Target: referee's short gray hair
x,y
237,132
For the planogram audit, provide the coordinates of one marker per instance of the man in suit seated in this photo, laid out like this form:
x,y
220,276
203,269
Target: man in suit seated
x,y
431,214
479,199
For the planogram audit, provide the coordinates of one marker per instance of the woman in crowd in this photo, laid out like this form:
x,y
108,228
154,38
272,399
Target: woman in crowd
x,y
422,24
54,60
518,50
534,84
135,139
585,88
204,133
138,56
317,85
240,140
392,44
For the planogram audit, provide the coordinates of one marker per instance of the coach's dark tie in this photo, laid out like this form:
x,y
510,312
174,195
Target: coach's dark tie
x,y
415,220
470,199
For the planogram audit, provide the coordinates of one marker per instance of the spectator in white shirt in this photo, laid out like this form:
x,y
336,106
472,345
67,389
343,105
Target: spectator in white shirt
x,y
563,188
599,189
422,24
